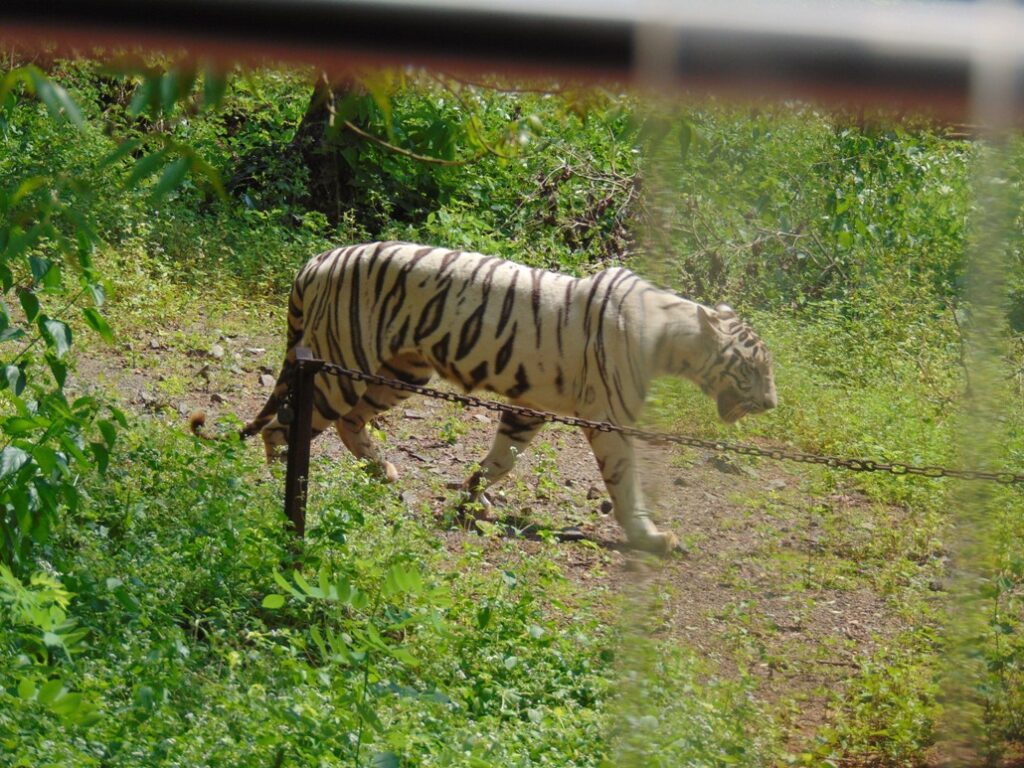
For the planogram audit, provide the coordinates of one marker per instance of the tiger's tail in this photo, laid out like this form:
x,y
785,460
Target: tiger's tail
x,y
197,420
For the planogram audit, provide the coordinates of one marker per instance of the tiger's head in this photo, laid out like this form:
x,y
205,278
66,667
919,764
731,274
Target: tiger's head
x,y
738,371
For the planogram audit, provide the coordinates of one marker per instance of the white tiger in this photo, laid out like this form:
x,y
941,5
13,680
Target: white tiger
x,y
586,347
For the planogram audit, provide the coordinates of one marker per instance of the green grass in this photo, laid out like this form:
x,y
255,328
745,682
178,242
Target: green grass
x,y
186,662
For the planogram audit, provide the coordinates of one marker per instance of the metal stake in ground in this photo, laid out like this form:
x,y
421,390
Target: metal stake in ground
x,y
300,435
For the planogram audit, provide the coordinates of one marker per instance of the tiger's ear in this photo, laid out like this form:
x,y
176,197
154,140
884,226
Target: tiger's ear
x,y
708,322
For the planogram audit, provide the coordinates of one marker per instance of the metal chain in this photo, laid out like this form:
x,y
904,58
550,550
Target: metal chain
x,y
834,462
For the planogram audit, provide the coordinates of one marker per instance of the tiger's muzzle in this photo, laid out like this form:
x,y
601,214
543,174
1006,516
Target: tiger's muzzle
x,y
732,406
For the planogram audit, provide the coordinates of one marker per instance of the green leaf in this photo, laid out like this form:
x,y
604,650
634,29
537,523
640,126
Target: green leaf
x,y
402,655
14,378
102,455
327,590
283,583
56,333
58,369
171,178
66,706
343,588
118,415
72,448
273,602
109,432
19,425
483,617
12,459
169,90
214,85
52,688
26,688
305,585
40,267
48,459
124,149
370,717
200,167
145,696
30,305
58,103
143,96
95,321
26,188
314,633
10,334
403,580
145,167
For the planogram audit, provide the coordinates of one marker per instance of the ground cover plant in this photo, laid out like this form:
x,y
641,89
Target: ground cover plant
x,y
155,610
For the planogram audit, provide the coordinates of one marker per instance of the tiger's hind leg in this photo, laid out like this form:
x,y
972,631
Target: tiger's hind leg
x,y
514,433
276,440
617,462
410,368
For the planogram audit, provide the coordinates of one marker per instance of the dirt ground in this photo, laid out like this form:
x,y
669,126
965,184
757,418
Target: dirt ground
x,y
722,599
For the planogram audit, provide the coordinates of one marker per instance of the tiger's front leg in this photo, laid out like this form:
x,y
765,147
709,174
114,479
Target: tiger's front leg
x,y
617,462
514,434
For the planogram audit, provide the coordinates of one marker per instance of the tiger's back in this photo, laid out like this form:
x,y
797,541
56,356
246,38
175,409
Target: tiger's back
x,y
478,321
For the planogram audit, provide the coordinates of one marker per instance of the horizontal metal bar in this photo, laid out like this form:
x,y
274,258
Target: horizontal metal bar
x,y
912,54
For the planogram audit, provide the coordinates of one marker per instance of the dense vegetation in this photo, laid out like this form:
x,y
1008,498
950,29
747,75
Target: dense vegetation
x,y
154,611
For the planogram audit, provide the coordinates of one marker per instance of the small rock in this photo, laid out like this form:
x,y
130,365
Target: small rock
x,y
183,409
482,417
606,507
266,380
129,347
726,465
154,344
593,492
217,351
235,369
216,397
266,369
408,498
256,351
776,485
411,414
144,397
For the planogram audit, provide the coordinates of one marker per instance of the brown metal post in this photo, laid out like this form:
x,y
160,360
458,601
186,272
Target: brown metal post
x,y
300,434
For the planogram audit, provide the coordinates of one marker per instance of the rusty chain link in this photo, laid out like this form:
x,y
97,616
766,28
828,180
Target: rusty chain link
x,y
779,454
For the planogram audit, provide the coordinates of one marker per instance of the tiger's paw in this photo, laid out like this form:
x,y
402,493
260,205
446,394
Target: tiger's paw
x,y
383,470
671,545
660,544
